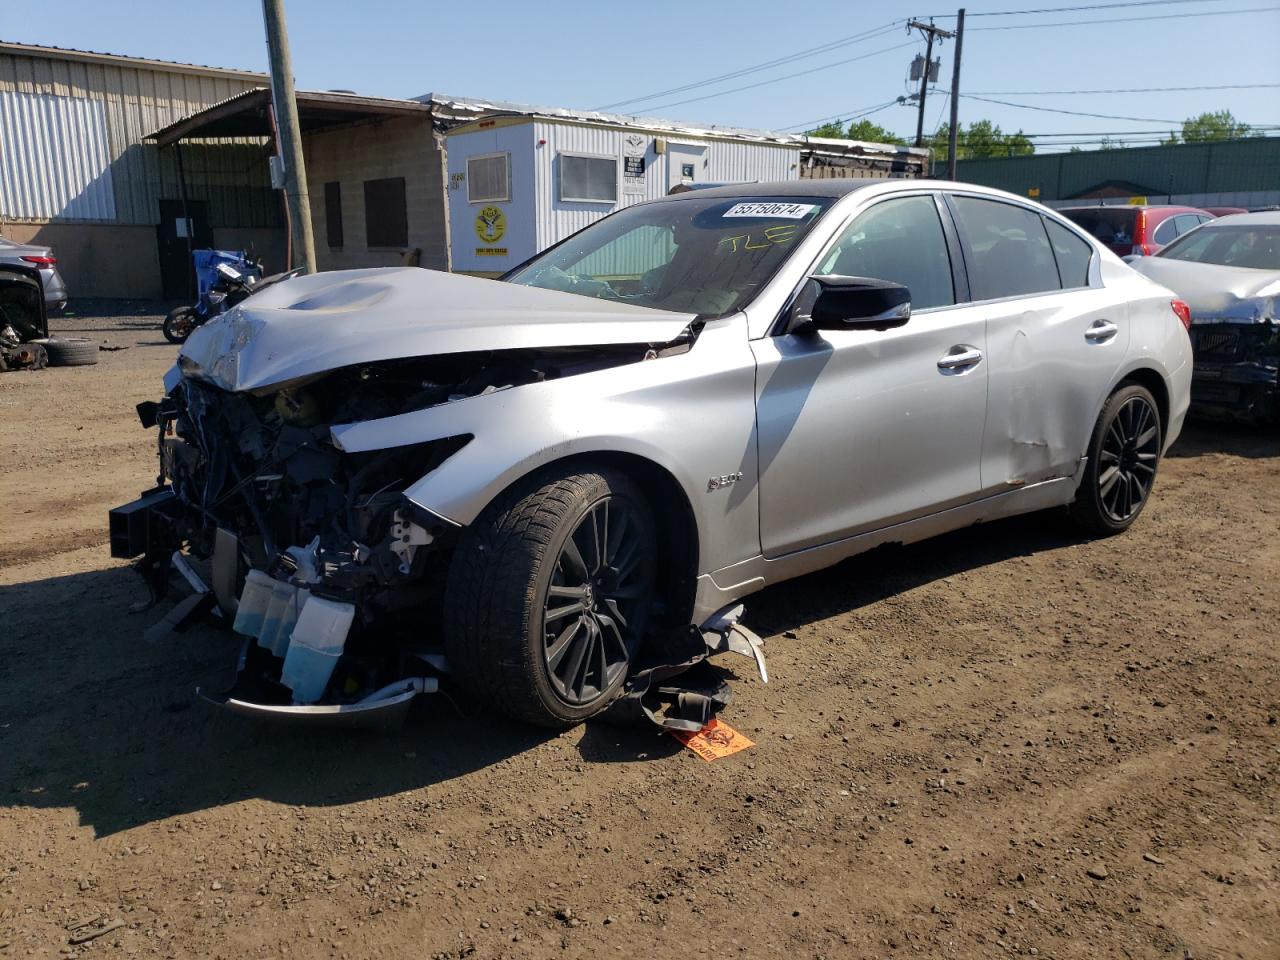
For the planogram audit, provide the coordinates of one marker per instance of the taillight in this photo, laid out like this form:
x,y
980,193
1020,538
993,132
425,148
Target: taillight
x,y
1140,250
1183,311
41,261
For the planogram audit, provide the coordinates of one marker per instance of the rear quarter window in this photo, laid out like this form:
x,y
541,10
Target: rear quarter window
x,y
1072,253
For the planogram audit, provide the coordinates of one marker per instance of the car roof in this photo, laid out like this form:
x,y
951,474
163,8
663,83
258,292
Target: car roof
x,y
1134,206
1265,218
834,187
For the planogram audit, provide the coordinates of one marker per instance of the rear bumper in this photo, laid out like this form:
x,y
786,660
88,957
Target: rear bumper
x,y
55,288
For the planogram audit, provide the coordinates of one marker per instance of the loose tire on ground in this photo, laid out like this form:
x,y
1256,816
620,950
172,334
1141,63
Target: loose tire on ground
x,y
179,324
1125,449
518,575
70,352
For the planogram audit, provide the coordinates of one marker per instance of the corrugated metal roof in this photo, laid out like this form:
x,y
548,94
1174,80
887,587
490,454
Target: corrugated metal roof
x,y
97,56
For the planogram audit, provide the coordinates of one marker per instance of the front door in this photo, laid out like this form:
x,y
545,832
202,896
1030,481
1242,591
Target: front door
x,y
177,234
862,429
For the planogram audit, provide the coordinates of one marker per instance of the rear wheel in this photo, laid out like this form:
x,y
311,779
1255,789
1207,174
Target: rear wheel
x,y
179,324
549,594
1124,453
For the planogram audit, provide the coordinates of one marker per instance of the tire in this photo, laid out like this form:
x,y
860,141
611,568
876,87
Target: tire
x,y
179,324
72,352
1124,454
534,552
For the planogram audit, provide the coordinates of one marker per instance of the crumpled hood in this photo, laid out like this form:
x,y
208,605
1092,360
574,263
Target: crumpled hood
x,y
1209,289
320,322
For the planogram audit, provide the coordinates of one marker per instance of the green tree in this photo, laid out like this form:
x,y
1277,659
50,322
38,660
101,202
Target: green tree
x,y
857,130
873,132
833,129
1218,125
982,138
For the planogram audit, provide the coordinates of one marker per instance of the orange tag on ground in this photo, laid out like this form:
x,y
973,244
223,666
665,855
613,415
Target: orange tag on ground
x,y
717,739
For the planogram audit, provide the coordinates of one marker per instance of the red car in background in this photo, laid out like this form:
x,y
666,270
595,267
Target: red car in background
x,y
1225,211
1136,230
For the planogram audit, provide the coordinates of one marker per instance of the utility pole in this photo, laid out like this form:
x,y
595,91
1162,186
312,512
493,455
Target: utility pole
x,y
930,32
289,135
954,128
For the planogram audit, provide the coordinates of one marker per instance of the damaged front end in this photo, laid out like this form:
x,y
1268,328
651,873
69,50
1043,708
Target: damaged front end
x,y
1237,367
315,555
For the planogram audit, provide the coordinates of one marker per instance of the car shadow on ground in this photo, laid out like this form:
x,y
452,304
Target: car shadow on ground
x,y
1235,439
94,719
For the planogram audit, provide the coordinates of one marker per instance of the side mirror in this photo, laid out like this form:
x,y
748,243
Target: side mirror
x,y
850,303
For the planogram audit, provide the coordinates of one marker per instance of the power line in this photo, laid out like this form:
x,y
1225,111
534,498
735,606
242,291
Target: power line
x,y
1054,93
850,115
1074,113
785,76
1091,6
756,68
1167,16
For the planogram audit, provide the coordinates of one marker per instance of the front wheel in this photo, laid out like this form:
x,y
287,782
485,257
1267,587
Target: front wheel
x,y
549,593
179,324
1124,453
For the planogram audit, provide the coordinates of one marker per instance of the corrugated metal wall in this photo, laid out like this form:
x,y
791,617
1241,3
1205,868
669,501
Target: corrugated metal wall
x,y
1233,166
67,136
133,102
730,161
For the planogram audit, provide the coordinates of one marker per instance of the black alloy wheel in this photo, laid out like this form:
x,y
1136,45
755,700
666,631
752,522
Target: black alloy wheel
x,y
593,611
1130,451
1121,462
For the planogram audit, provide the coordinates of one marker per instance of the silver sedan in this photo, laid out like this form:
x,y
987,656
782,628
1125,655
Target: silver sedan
x,y
36,257
688,400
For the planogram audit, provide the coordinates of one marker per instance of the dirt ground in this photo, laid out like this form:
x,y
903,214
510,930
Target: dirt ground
x,y
955,735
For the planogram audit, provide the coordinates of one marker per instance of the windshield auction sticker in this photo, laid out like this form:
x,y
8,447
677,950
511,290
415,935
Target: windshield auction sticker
x,y
786,211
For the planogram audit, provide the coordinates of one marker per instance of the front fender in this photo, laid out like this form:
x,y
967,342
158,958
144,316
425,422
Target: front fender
x,y
692,414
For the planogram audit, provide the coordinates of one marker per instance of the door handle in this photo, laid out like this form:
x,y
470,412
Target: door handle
x,y
1100,331
960,359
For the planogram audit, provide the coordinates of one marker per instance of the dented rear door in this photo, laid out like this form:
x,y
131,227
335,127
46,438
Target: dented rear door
x,y
1053,359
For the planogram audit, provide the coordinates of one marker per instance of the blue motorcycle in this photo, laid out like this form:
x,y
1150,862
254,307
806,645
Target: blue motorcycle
x,y
223,279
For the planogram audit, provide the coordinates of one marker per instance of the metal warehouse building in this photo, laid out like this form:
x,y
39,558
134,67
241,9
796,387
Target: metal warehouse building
x,y
1231,173
76,173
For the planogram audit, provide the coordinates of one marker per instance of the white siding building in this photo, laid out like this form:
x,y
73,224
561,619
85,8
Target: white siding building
x,y
519,182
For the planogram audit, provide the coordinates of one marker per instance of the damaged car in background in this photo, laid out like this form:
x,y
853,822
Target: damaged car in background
x,y
555,490
1228,271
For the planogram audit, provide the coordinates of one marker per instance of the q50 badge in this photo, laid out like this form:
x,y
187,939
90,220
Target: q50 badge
x,y
715,483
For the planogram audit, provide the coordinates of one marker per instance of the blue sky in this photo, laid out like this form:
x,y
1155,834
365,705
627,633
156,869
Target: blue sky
x,y
589,54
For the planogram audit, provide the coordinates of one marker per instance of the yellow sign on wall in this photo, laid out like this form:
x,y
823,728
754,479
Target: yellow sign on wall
x,y
491,224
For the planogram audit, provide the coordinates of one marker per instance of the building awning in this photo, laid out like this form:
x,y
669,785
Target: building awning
x,y
246,114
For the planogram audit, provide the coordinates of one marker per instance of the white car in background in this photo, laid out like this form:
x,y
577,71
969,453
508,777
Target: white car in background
x,y
1228,271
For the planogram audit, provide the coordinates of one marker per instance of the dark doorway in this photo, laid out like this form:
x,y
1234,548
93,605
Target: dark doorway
x,y
177,276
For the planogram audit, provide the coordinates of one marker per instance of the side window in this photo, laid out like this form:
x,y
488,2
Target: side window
x,y
1072,253
1187,222
1167,231
1007,252
899,240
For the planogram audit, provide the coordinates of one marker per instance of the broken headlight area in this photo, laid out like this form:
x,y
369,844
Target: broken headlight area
x,y
1237,370
316,555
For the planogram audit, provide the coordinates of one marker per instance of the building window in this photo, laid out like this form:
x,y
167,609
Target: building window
x,y
489,178
386,222
333,214
592,179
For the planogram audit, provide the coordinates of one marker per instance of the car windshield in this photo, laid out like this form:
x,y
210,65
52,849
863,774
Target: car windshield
x,y
1254,247
702,255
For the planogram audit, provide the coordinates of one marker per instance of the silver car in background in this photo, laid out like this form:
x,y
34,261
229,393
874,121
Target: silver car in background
x,y
686,401
34,256
1228,272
